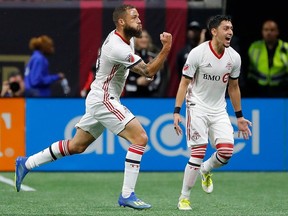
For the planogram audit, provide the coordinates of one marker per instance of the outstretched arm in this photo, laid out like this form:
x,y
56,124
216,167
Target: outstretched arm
x,y
235,97
180,96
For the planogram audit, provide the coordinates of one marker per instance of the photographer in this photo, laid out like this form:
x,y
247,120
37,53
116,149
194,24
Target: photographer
x,y
14,86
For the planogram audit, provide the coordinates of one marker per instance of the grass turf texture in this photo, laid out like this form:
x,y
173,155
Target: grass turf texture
x,y
96,193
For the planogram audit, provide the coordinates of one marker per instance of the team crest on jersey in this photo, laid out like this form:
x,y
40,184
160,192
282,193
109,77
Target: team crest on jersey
x,y
195,136
186,66
130,58
229,66
126,110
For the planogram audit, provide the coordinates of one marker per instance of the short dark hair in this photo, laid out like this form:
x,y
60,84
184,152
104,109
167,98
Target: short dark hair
x,y
120,11
215,21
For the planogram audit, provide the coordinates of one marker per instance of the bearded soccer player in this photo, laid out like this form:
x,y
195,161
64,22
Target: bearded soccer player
x,y
103,106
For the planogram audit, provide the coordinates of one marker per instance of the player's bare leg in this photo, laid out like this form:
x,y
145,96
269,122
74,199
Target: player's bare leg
x,y
137,136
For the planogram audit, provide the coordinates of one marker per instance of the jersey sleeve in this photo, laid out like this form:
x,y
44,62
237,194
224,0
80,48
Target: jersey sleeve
x,y
191,64
235,73
125,55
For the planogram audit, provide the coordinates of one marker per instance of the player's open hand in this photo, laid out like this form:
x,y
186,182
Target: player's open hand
x,y
243,126
177,120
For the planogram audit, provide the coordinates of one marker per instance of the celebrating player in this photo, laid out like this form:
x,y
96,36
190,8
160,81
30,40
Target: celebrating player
x,y
103,106
209,69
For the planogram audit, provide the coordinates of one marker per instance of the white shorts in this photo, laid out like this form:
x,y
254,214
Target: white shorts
x,y
110,114
202,127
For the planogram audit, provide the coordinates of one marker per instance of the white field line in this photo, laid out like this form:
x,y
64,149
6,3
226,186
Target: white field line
x,y
11,182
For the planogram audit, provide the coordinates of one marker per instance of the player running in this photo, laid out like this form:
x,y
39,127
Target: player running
x,y
209,69
103,106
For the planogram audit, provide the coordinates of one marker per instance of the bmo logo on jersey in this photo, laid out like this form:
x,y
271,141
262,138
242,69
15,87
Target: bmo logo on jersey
x,y
216,77
225,78
211,77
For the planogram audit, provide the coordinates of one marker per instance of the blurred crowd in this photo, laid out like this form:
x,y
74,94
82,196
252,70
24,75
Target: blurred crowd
x,y
265,75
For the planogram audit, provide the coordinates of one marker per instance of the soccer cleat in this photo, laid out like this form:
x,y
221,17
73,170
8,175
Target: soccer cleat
x,y
207,183
20,172
133,202
184,204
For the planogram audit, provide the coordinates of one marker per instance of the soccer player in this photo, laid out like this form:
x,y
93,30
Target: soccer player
x,y
210,68
103,106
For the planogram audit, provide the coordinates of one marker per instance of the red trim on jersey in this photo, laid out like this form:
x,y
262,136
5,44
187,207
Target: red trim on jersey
x,y
188,126
211,48
127,42
106,101
105,87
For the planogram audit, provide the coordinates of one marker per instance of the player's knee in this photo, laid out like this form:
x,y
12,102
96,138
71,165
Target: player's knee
x,y
142,139
139,138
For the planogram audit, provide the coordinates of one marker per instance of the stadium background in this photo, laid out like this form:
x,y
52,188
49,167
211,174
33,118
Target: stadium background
x,y
78,27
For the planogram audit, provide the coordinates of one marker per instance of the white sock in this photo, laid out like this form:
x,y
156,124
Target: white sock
x,y
190,177
57,150
132,167
210,164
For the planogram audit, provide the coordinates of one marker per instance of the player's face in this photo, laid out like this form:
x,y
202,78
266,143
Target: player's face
x,y
225,33
133,26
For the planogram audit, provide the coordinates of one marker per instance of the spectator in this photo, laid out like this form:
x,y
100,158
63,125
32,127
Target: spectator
x,y
268,64
37,75
137,85
194,36
14,86
91,76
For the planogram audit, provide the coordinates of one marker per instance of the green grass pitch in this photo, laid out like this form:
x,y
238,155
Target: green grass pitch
x,y
96,193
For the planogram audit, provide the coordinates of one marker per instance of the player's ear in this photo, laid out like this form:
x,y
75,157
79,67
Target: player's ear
x,y
121,21
213,31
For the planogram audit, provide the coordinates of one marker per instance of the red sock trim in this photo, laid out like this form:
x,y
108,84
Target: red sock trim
x,y
198,152
137,149
63,147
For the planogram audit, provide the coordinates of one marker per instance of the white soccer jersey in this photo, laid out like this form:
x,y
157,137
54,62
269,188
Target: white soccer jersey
x,y
210,74
115,58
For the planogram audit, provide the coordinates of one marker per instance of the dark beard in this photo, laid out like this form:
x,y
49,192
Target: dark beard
x,y
131,32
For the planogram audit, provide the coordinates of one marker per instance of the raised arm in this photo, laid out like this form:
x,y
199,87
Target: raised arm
x,y
151,68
